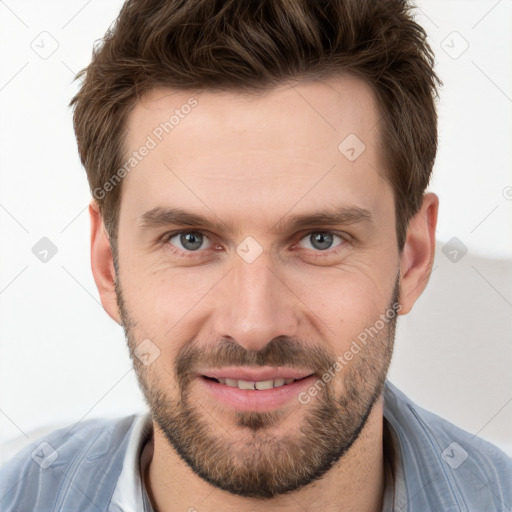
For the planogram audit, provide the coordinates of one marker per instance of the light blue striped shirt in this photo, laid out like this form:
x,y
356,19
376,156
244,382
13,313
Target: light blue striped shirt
x,y
96,466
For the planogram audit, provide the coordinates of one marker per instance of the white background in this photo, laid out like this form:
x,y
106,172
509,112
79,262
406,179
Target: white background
x,y
61,357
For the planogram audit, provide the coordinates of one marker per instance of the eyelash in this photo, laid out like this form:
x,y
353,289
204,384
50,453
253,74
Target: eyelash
x,y
316,254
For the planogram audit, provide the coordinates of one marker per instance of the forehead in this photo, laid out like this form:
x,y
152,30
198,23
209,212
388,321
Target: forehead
x,y
315,143
323,111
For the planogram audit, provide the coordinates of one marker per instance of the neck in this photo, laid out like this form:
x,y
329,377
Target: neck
x,y
355,483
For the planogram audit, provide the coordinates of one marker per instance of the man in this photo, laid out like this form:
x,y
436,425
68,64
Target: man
x,y
259,221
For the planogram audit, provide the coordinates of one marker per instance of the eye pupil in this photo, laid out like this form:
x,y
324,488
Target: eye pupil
x,y
321,240
191,240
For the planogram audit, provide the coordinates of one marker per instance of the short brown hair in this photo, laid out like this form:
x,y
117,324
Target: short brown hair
x,y
252,46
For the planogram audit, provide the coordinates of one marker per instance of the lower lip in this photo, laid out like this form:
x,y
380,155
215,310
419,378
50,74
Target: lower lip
x,y
253,399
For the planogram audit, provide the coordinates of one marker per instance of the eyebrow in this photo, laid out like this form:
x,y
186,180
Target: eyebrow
x,y
344,215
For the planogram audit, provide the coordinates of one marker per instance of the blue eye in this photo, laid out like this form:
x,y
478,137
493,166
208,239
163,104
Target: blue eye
x,y
321,240
196,241
189,240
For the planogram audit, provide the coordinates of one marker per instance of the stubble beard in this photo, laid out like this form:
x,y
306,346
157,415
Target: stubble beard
x,y
251,457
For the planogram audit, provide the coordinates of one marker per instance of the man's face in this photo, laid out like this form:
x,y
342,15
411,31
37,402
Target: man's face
x,y
250,296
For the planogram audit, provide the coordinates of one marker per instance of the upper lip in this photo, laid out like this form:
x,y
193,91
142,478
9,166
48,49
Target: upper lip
x,y
256,374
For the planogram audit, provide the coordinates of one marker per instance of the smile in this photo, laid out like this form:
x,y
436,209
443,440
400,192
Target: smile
x,y
261,385
255,389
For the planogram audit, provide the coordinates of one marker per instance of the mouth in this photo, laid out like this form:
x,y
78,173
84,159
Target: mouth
x,y
260,385
255,389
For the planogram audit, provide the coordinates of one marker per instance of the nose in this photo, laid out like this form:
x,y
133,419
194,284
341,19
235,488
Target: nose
x,y
255,304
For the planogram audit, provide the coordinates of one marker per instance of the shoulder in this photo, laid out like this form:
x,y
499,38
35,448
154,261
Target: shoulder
x,y
50,469
441,458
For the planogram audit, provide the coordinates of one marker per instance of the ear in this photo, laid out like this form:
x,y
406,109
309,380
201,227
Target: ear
x,y
417,256
102,263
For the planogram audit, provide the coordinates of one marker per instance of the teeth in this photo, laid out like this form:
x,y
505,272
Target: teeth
x,y
263,384
245,384
279,382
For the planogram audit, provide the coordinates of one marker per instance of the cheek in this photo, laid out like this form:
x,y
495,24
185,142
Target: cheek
x,y
168,305
174,293
346,302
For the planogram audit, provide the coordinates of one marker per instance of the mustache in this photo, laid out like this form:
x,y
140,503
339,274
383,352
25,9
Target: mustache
x,y
280,351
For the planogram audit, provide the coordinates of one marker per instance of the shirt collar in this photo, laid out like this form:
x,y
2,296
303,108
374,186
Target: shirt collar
x,y
127,495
